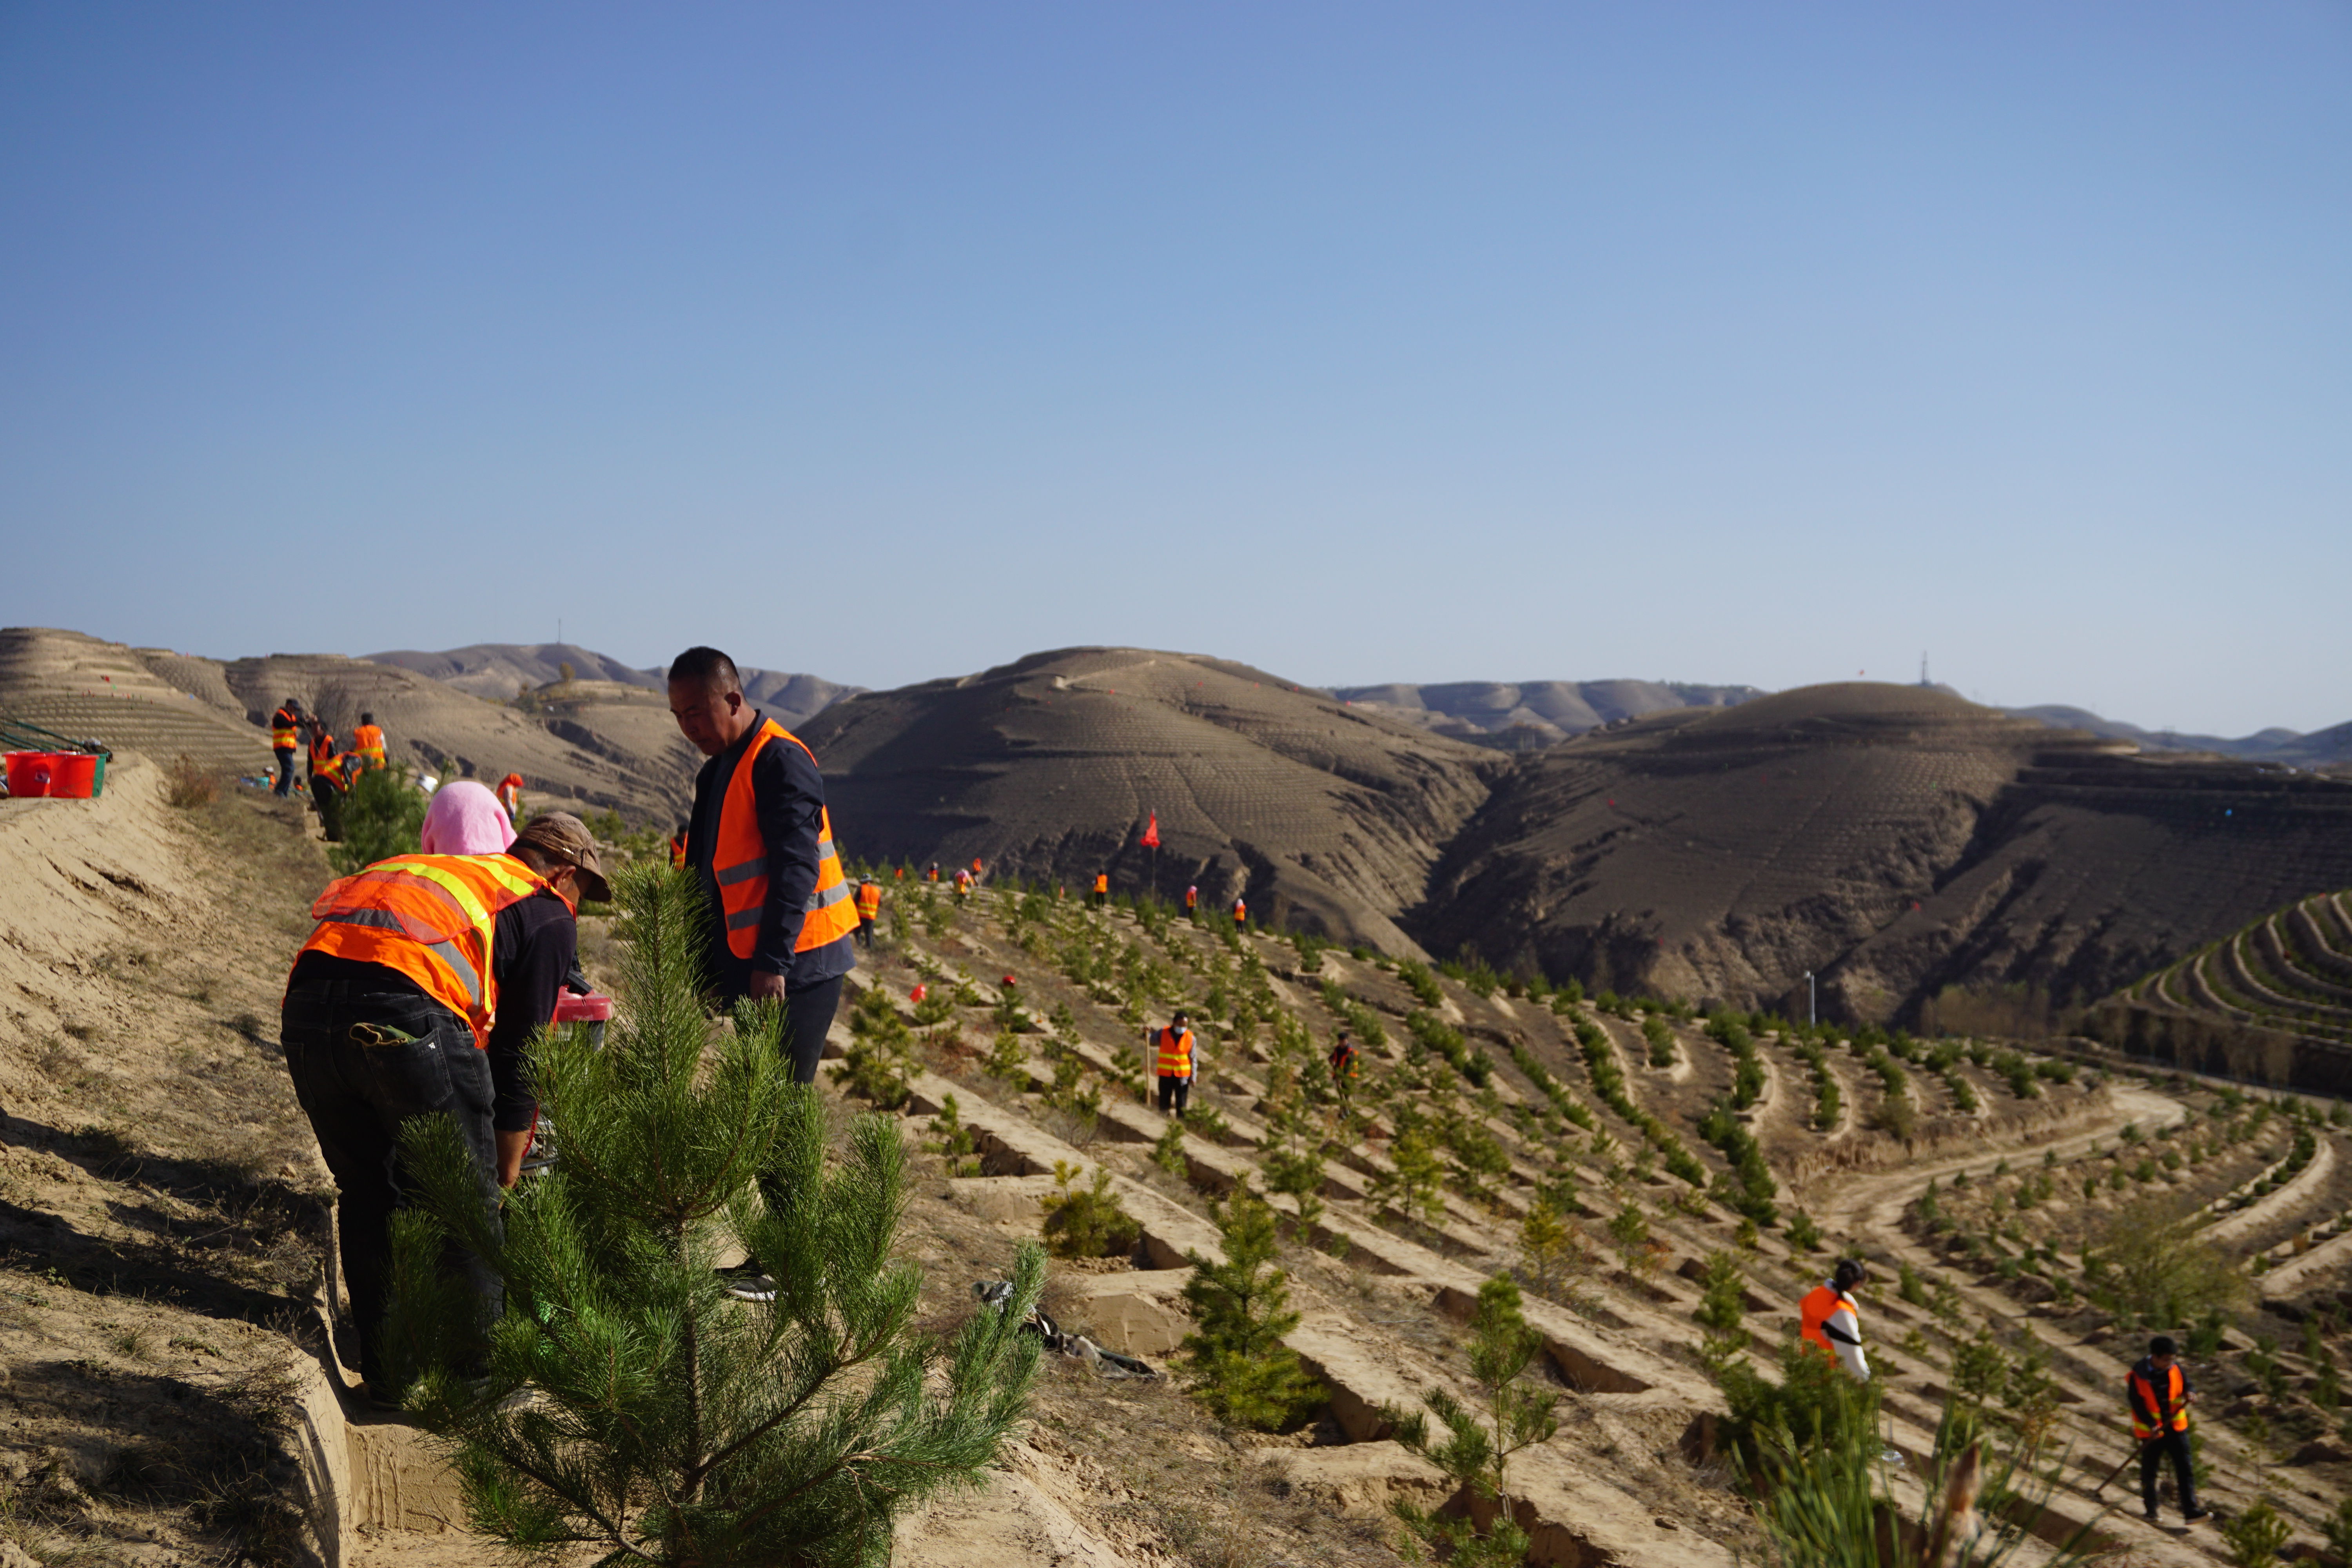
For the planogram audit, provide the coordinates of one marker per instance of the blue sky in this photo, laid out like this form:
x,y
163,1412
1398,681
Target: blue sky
x,y
1365,343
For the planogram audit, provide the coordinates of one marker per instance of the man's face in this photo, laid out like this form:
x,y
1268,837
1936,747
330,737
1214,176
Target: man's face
x,y
2161,1362
707,715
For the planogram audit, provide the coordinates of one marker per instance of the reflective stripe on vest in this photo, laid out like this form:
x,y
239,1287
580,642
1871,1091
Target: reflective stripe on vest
x,y
677,852
283,732
1814,1310
2169,1412
1175,1053
740,863
869,900
431,918
368,741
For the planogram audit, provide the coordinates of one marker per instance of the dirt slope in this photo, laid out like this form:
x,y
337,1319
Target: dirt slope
x,y
499,670
1321,814
1535,712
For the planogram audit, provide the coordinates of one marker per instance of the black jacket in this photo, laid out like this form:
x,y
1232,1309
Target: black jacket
x,y
788,802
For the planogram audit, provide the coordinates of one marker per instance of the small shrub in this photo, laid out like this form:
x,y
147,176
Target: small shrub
x,y
1803,1234
187,782
2256,1536
1088,1221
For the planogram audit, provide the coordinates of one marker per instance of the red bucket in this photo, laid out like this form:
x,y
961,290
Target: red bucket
x,y
594,1010
72,775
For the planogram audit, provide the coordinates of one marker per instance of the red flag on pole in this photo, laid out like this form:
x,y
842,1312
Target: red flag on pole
x,y
1151,835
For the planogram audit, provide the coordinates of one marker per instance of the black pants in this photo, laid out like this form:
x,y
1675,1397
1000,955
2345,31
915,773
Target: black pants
x,y
329,802
2151,1454
1174,1091
865,932
357,1096
808,1015
285,769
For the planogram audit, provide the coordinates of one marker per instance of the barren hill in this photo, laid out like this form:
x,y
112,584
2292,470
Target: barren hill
x,y
1893,839
1320,814
503,670
1523,716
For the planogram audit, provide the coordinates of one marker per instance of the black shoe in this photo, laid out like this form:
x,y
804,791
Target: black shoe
x,y
747,1281
2194,1514
2151,1516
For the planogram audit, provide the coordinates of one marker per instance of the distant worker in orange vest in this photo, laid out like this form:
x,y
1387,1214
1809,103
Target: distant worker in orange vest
x,y
509,794
869,907
2159,1393
678,847
1240,916
1826,1317
1102,890
367,744
1192,903
975,869
285,739
382,1024
962,885
1343,1068
899,875
1176,1056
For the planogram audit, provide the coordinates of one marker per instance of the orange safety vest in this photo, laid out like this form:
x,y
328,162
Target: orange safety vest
x,y
322,747
741,864
331,771
284,733
1175,1053
1192,898
510,793
1343,1061
368,741
1241,911
677,852
963,881
870,898
2170,1412
429,916
1102,881
975,864
1815,1309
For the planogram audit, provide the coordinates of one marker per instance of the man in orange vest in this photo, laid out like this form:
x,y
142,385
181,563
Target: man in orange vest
x,y
677,847
1343,1068
1827,1318
870,906
761,841
415,995
2159,1393
1102,890
1240,916
1192,903
1176,1056
367,743
285,738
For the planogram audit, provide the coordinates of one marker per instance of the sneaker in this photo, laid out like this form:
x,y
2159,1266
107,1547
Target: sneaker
x,y
2151,1516
747,1281
2194,1514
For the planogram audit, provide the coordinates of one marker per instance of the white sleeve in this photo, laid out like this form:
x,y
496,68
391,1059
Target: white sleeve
x,y
1844,1330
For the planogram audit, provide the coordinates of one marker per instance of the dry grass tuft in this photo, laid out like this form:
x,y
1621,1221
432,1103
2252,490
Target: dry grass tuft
x,y
187,782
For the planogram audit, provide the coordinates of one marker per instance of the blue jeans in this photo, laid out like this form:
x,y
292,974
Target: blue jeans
x,y
357,1096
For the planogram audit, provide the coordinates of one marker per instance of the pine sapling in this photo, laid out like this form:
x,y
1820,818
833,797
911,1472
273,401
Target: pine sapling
x,y
1511,1413
623,1400
1241,1309
1088,1221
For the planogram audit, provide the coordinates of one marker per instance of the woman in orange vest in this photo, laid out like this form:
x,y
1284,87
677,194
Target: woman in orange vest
x,y
1826,1317
367,743
762,843
1241,915
1175,1056
415,995
2159,1393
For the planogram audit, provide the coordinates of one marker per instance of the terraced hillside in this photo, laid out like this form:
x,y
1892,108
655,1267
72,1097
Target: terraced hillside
x,y
1894,840
2270,1002
500,671
1990,1188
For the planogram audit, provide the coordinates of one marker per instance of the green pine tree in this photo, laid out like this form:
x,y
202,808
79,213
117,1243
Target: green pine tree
x,y
1511,1413
1241,1309
382,813
631,1404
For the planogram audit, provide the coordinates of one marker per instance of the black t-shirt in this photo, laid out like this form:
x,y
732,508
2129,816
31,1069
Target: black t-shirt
x,y
533,945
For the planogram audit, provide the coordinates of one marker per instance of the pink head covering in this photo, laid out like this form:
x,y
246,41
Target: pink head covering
x,y
465,818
